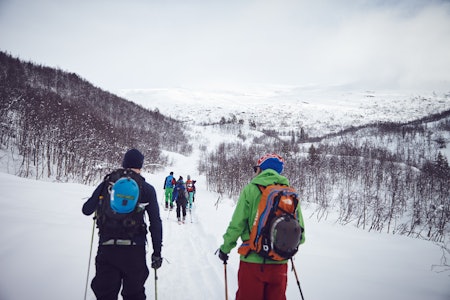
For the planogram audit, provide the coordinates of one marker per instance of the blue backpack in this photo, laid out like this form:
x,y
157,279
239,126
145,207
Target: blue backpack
x,y
119,214
169,182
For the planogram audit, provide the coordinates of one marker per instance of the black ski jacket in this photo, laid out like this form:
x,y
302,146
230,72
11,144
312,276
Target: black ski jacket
x,y
152,209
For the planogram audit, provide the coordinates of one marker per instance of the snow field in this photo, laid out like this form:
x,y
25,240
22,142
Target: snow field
x,y
46,241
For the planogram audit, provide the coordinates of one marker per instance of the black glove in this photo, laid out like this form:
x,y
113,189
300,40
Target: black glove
x,y
156,261
223,256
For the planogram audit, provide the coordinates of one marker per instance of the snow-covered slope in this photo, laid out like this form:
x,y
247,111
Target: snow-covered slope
x,y
46,240
318,111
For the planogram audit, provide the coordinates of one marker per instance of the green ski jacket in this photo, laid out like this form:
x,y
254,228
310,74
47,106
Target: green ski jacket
x,y
244,215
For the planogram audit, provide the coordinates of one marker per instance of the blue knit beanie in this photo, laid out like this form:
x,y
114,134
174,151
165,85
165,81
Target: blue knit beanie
x,y
133,159
271,161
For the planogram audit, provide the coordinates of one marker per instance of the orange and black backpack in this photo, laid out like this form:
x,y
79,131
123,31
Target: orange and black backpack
x,y
190,185
276,232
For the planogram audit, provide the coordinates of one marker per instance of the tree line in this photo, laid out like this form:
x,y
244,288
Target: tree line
x,y
384,177
55,124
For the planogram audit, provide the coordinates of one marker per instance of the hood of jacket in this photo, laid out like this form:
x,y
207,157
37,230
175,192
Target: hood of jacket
x,y
268,177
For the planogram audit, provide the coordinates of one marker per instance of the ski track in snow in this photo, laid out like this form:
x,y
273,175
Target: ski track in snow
x,y
189,261
188,258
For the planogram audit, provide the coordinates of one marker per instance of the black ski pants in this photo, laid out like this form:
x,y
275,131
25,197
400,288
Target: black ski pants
x,y
181,204
120,266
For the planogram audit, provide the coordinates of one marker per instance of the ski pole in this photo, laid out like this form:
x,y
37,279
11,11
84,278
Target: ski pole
x,y
296,277
226,281
156,290
90,255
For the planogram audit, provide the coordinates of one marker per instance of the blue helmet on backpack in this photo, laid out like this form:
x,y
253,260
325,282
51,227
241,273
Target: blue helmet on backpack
x,y
124,195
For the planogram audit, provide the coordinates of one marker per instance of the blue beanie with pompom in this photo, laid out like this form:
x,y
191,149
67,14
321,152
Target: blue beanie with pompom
x,y
271,161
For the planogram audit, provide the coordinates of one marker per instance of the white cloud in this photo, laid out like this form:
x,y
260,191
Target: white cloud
x,y
140,44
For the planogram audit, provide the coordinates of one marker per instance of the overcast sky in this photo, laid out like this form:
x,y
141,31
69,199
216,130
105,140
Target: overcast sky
x,y
125,44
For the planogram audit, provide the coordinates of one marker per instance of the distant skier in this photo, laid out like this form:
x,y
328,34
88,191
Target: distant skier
x,y
169,182
179,196
190,187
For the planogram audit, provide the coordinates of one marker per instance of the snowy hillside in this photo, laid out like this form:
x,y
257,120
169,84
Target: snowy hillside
x,y
47,249
318,111
46,239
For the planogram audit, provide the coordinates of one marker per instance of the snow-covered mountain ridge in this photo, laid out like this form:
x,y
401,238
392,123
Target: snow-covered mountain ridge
x,y
318,111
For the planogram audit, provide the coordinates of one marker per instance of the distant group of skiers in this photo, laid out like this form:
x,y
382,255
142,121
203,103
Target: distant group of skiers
x,y
180,192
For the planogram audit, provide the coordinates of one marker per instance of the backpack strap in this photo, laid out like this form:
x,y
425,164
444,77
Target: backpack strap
x,y
245,248
261,187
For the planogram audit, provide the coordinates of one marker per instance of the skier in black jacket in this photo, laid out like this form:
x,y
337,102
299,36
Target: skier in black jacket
x,y
179,196
123,261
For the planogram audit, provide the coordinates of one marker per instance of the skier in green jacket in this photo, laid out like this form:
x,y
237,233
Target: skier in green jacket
x,y
255,281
